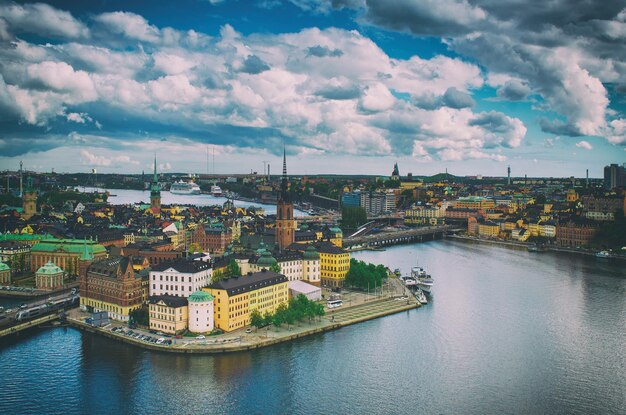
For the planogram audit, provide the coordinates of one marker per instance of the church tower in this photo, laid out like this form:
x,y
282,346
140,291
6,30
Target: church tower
x,y
29,201
285,224
155,191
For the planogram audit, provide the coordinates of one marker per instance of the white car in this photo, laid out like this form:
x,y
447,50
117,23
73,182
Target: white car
x,y
160,341
200,337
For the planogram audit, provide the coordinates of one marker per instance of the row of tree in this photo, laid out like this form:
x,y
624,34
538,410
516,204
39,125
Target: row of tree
x,y
362,275
297,309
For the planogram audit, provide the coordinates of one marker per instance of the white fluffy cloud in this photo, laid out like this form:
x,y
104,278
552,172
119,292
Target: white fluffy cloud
x,y
332,91
584,144
41,19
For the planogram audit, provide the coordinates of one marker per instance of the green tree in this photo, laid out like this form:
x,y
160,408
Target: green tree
x,y
256,319
194,247
232,269
275,268
218,275
268,318
352,217
279,315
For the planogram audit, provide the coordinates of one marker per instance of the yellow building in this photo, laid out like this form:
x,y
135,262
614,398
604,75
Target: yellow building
x,y
235,298
488,229
572,196
334,264
474,202
168,313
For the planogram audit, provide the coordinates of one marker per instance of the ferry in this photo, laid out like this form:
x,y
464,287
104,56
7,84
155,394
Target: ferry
x,y
184,188
424,281
216,191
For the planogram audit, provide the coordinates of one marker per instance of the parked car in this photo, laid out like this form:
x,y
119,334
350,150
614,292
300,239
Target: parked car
x,y
200,337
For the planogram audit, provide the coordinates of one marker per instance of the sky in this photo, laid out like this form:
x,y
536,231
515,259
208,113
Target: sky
x,y
346,86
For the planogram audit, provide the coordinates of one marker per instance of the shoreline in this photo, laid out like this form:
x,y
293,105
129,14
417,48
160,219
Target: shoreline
x,y
522,245
381,308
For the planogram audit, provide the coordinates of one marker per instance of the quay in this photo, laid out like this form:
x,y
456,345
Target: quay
x,y
241,341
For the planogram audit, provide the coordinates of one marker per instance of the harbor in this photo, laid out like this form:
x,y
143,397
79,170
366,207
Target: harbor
x,y
494,312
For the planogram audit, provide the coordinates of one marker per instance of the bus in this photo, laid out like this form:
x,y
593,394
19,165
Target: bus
x,y
334,303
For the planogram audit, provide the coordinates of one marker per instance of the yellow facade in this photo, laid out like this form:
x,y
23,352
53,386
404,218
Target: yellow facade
x,y
410,185
233,312
118,310
171,320
334,267
473,202
488,229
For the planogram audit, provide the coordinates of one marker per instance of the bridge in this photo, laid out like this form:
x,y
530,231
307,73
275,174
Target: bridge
x,y
381,239
34,313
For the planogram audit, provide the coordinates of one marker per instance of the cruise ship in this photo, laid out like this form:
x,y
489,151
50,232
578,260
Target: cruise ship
x,y
184,188
424,281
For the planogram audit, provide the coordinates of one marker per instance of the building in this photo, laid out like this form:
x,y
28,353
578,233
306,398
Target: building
x,y
5,274
488,229
201,312
601,208
395,174
235,298
16,255
423,216
64,253
112,285
180,278
212,238
575,234
29,201
351,199
474,202
168,314
49,277
614,176
311,292
155,192
334,264
373,203
285,223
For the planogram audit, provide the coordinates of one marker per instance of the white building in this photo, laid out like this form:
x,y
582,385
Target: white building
x,y
311,292
180,278
201,318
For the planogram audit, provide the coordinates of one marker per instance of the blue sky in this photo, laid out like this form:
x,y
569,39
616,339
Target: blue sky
x,y
349,86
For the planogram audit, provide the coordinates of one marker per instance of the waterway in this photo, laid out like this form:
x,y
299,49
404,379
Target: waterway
x,y
506,331
126,196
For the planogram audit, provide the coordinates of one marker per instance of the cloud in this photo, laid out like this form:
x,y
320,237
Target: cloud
x,y
93,160
584,144
254,65
129,25
320,91
41,19
323,51
562,51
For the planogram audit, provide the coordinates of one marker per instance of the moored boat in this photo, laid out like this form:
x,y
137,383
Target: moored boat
x,y
216,191
420,296
603,254
424,281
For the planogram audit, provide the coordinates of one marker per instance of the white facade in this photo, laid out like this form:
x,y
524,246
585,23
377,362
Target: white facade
x,y
181,284
292,269
201,319
311,271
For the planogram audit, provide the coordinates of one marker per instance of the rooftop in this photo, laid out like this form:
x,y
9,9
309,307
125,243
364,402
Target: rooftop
x,y
250,282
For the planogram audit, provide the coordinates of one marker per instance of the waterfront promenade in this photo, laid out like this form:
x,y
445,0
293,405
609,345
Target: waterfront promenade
x,y
360,309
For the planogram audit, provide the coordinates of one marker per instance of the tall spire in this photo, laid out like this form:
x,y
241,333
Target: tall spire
x,y
155,175
284,195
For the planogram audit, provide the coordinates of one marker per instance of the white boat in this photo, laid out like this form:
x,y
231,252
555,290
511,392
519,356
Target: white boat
x,y
420,296
424,281
216,191
184,188
603,254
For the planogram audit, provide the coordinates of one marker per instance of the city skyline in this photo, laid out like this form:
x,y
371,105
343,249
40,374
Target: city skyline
x,y
349,87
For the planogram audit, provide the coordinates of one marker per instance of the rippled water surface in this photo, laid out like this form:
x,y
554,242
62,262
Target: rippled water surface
x,y
506,331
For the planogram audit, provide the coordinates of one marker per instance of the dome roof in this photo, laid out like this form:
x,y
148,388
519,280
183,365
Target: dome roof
x,y
49,268
266,260
4,267
200,297
311,253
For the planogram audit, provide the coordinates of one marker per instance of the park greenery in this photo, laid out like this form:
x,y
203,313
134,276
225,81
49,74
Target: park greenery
x,y
296,310
362,275
231,270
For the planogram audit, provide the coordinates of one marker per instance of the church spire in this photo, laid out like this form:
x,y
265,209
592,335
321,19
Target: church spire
x,y
154,179
284,194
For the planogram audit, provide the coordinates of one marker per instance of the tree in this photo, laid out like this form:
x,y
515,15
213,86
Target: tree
x,y
364,275
256,319
218,275
279,315
352,217
275,268
194,247
232,269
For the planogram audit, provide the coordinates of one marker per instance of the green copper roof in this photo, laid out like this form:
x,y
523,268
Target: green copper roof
x,y
200,297
311,253
336,230
266,260
68,245
4,267
49,269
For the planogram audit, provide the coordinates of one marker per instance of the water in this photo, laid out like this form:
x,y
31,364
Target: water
x,y
506,331
125,197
